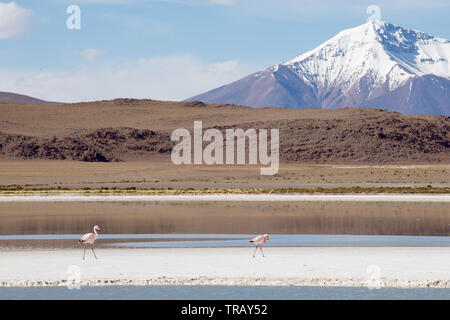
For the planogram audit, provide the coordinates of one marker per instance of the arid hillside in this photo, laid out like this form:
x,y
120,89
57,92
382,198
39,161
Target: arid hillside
x,y
132,130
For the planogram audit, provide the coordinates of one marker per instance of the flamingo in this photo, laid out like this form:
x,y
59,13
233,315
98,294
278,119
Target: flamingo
x,y
259,240
89,238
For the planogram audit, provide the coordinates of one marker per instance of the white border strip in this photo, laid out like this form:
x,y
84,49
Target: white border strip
x,y
231,197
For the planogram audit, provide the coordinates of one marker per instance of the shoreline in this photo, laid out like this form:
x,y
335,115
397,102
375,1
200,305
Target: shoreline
x,y
393,267
250,282
243,197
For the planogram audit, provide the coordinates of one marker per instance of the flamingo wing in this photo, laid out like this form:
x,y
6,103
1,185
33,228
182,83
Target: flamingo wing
x,y
258,239
86,238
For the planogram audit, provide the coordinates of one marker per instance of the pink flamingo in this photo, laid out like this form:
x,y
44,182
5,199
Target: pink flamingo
x,y
89,238
259,240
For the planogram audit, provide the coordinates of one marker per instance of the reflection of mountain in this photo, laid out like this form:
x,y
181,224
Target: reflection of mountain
x,y
376,64
190,218
20,98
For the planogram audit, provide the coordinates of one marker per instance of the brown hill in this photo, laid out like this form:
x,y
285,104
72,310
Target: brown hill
x,y
128,130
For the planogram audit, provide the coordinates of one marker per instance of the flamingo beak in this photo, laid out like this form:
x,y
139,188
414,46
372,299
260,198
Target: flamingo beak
x,y
99,229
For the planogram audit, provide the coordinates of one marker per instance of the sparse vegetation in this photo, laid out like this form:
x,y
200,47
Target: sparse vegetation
x,y
18,190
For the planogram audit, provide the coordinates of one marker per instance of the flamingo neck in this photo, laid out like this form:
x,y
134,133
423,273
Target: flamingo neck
x,y
95,231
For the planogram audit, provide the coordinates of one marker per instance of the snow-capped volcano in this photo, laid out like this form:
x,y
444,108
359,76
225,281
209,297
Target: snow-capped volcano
x,y
377,64
384,52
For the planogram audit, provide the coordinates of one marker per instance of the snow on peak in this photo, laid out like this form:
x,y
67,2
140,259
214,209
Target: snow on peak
x,y
378,51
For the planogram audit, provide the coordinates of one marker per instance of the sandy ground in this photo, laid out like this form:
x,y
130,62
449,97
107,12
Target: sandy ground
x,y
385,267
163,174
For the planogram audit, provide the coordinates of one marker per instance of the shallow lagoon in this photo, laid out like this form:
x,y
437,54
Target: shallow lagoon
x,y
221,240
210,217
221,293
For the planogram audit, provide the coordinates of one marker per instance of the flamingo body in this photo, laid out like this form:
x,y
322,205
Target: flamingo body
x,y
259,240
89,238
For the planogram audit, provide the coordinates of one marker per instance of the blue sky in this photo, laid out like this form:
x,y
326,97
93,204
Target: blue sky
x,y
173,49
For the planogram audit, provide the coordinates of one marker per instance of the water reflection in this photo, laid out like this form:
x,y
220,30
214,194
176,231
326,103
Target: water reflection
x,y
357,218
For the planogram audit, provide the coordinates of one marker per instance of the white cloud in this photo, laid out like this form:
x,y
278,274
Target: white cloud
x,y
14,20
90,54
224,67
174,77
223,2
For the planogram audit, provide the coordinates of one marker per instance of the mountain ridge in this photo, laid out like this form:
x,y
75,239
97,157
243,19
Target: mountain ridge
x,y
11,97
363,66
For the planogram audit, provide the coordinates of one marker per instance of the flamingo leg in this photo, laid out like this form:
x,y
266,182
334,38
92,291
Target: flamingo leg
x,y
92,248
84,251
261,251
256,248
